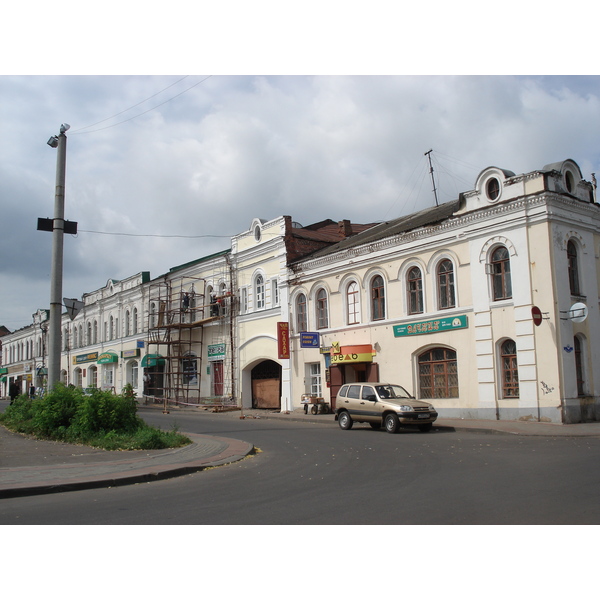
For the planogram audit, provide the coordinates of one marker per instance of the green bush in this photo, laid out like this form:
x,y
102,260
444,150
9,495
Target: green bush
x,y
100,419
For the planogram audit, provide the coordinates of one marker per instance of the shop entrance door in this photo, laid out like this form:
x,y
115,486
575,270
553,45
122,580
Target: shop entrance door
x,y
217,377
350,373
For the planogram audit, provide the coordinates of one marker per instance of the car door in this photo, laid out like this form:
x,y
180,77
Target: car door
x,y
368,404
351,401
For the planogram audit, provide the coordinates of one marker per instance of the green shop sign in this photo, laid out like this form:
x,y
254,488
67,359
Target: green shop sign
x,y
216,351
432,326
83,358
108,357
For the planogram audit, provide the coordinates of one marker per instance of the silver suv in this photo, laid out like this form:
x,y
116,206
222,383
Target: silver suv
x,y
382,404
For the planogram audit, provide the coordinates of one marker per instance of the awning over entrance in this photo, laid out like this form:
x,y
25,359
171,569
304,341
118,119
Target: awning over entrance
x,y
153,360
108,357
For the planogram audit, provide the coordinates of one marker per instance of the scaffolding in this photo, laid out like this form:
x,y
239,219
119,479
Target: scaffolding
x,y
189,320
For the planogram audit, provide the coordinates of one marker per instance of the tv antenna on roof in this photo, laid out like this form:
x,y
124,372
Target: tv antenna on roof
x,y
428,155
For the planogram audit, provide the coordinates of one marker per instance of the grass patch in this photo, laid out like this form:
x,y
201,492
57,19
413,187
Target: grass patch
x,y
100,419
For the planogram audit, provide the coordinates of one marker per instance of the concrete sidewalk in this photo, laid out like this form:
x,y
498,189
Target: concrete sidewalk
x,y
29,466
482,426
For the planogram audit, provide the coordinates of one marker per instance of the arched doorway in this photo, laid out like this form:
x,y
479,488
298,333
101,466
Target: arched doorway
x,y
266,385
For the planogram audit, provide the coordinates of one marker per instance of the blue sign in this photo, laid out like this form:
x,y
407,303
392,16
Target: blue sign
x,y
309,340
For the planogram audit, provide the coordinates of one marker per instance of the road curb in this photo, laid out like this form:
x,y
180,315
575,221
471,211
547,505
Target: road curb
x,y
234,451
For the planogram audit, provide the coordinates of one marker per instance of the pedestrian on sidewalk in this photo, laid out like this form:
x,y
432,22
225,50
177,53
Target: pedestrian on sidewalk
x,y
13,391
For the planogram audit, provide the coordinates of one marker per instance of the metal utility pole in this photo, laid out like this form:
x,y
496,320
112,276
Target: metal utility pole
x,y
56,273
428,155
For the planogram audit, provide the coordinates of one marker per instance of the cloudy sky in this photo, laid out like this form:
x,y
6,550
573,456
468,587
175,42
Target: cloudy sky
x,y
162,169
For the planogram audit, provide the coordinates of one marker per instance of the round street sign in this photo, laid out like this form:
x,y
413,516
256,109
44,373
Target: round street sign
x,y
536,313
578,312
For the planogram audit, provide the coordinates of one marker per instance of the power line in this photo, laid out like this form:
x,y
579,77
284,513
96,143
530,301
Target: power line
x,y
79,131
159,235
153,235
124,111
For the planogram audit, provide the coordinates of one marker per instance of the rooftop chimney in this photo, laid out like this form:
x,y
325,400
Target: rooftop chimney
x,y
344,228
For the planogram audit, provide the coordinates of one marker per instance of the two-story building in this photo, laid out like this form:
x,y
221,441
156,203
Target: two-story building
x,y
487,305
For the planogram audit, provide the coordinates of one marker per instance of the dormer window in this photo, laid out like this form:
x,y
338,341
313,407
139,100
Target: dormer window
x,y
569,182
492,188
257,233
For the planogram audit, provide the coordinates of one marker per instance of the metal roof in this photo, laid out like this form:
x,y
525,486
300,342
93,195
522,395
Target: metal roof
x,y
426,217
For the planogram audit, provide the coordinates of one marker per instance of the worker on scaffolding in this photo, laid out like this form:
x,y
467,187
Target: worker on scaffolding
x,y
214,307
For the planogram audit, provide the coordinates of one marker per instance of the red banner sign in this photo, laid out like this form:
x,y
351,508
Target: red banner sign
x,y
283,340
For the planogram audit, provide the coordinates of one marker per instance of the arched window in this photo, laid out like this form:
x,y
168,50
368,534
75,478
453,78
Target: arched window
x,y
500,272
259,291
301,320
322,321
573,269
152,315
222,299
353,303
127,323
111,328
510,372
75,338
445,285
95,332
438,374
414,285
93,376
135,321
78,377
377,298
89,333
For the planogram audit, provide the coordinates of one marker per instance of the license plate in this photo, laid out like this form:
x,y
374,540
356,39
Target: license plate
x,y
424,416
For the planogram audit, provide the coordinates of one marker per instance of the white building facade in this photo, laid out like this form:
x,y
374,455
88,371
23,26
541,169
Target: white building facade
x,y
441,302
487,306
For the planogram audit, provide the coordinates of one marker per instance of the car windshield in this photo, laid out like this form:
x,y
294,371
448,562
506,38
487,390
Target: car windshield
x,y
392,391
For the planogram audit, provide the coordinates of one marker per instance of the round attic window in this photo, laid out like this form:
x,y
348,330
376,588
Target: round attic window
x,y
492,188
257,233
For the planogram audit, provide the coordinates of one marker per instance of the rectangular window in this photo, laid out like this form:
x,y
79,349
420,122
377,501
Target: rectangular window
x,y
314,375
274,292
244,300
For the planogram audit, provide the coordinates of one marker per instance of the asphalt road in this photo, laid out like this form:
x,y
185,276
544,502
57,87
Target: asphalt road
x,y
313,473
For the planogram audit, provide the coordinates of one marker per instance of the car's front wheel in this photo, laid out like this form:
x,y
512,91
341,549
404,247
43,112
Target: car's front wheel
x,y
391,423
345,420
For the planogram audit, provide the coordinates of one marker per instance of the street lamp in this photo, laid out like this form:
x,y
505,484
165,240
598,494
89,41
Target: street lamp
x,y
56,273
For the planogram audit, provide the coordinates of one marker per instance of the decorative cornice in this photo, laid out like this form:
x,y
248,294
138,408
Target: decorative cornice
x,y
452,224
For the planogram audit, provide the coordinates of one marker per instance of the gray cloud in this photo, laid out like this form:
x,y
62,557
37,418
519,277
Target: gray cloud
x,y
234,148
